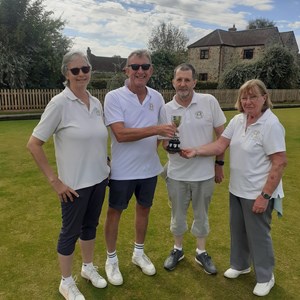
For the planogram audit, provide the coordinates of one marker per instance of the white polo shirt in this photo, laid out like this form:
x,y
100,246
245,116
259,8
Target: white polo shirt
x,y
138,159
249,150
80,139
197,128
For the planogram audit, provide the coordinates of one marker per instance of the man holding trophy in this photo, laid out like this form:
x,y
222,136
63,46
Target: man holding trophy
x,y
198,118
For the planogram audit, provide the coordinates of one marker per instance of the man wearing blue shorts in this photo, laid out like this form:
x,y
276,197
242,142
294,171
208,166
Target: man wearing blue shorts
x,y
134,114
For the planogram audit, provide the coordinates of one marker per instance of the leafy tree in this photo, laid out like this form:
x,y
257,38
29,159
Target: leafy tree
x,y
168,45
31,45
167,37
164,64
278,68
260,23
234,76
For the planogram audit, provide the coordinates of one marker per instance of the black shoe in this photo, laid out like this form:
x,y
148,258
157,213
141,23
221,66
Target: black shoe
x,y
206,262
175,256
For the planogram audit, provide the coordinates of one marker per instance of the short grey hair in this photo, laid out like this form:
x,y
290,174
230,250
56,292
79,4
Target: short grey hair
x,y
70,56
139,53
186,67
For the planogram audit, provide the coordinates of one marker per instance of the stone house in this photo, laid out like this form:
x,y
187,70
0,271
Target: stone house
x,y
211,54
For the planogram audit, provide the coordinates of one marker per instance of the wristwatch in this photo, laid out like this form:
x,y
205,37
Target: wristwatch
x,y
266,196
219,162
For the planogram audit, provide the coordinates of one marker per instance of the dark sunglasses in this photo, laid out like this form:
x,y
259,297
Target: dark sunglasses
x,y
136,67
85,70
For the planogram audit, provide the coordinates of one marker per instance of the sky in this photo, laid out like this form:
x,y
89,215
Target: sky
x,y
118,27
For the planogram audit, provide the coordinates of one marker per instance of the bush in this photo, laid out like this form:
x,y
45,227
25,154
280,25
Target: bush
x,y
206,85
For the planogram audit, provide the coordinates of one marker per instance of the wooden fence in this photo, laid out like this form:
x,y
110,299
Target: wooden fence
x,y
25,100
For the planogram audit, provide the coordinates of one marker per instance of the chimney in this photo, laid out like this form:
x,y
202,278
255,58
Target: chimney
x,y
232,28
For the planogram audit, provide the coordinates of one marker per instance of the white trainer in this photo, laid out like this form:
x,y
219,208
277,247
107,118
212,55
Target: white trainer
x,y
232,273
70,291
263,289
144,263
113,273
91,273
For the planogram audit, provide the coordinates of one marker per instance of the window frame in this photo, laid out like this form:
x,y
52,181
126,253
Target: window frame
x,y
248,53
203,76
204,53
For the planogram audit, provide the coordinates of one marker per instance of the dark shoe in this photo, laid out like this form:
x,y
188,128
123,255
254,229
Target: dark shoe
x,y
206,262
175,256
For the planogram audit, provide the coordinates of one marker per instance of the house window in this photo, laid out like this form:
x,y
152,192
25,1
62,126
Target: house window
x,y
204,54
248,54
203,77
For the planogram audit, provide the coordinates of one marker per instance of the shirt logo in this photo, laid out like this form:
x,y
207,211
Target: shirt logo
x,y
199,114
151,106
98,112
255,136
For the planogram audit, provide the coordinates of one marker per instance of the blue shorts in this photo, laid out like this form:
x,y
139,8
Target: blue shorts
x,y
121,191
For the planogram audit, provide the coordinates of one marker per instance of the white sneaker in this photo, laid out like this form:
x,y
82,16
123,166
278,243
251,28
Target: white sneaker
x,y
70,291
113,273
232,273
144,263
263,289
91,273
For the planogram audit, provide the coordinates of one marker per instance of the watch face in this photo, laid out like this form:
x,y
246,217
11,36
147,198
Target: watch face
x,y
266,196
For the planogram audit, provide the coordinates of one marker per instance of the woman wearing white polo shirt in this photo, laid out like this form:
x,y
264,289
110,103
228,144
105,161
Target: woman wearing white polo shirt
x,y
257,160
75,120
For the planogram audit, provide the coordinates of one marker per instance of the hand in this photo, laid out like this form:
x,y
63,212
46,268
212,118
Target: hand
x,y
167,130
63,191
188,153
260,205
219,173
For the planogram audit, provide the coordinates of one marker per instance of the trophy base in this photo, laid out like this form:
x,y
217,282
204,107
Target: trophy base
x,y
175,150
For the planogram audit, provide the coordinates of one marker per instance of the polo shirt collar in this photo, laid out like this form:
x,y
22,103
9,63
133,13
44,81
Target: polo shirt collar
x,y
130,93
176,105
70,95
262,118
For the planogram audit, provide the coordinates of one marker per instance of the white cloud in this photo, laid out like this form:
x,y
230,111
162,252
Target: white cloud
x,y
116,28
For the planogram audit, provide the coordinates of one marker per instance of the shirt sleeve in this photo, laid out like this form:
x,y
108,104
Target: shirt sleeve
x,y
229,130
218,115
49,122
162,118
274,139
112,109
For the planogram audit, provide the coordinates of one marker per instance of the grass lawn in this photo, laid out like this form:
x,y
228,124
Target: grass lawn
x,y
30,222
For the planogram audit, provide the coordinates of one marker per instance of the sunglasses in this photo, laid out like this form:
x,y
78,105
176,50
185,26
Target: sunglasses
x,y
136,67
85,70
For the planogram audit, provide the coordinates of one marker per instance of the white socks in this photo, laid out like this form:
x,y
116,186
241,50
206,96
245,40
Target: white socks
x,y
138,249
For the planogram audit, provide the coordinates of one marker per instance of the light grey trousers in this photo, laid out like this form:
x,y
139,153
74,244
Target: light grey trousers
x,y
250,238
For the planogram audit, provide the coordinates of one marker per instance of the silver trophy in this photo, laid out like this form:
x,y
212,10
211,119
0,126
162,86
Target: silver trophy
x,y
174,142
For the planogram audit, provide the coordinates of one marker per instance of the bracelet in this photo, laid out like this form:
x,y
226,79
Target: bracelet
x,y
219,162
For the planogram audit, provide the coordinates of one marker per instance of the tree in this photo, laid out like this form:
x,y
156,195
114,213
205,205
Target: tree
x,y
235,75
168,46
278,68
167,37
164,64
260,23
31,45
